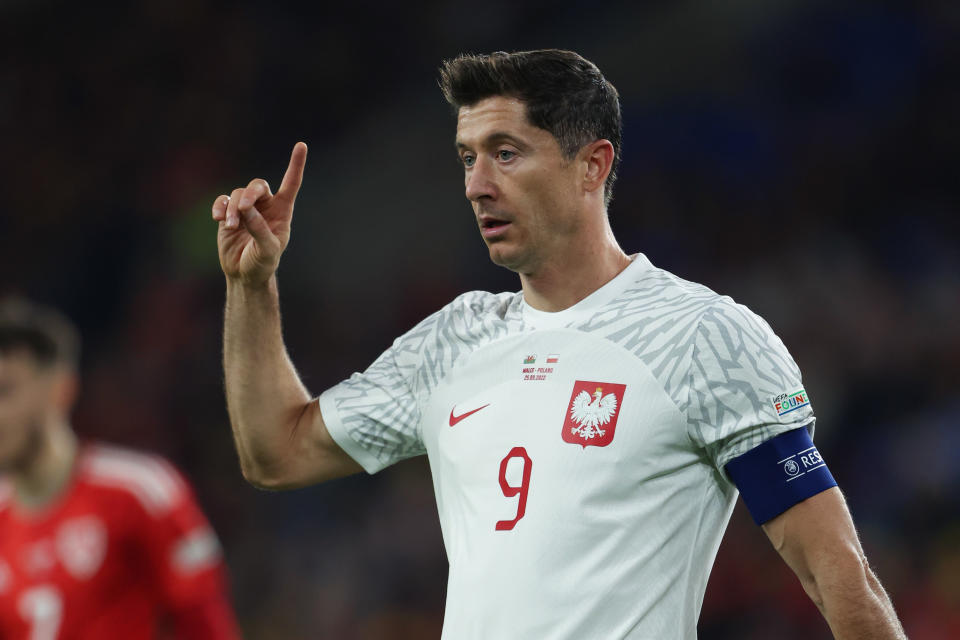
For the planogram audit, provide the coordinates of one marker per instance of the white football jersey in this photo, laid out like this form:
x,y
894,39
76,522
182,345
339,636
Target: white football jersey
x,y
577,456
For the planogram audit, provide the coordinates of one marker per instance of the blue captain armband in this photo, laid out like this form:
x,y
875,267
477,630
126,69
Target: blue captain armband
x,y
780,473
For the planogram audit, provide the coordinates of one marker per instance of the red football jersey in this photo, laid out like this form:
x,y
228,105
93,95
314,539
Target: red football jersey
x,y
123,548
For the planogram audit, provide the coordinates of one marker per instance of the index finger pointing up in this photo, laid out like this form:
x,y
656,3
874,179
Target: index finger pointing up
x,y
294,175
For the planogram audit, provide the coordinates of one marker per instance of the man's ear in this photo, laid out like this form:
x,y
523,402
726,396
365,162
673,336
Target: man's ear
x,y
598,160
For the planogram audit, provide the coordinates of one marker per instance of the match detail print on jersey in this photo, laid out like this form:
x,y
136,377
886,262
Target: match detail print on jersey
x,y
592,412
455,419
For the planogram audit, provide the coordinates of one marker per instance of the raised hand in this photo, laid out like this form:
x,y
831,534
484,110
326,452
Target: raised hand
x,y
254,224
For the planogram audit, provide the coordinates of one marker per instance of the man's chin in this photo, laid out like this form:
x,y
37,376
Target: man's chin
x,y
502,256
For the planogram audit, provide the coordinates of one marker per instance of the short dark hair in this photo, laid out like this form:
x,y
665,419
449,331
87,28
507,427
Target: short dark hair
x,y
564,94
44,332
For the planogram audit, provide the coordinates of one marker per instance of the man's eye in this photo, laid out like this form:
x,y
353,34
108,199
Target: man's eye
x,y
468,161
505,155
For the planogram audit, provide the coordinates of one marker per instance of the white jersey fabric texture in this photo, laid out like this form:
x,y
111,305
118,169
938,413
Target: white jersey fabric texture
x,y
610,421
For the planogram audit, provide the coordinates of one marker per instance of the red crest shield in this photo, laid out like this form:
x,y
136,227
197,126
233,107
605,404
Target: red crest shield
x,y
82,545
592,412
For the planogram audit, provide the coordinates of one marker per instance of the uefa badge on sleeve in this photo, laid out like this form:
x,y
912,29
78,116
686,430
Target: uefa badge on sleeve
x,y
592,412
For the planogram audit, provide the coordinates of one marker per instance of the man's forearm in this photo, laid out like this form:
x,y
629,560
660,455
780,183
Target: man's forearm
x,y
265,397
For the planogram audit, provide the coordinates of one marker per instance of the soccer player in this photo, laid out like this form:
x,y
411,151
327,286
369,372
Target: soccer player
x,y
587,435
96,542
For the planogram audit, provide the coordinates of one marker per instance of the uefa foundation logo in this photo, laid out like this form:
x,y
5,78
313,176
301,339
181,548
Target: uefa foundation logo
x,y
788,402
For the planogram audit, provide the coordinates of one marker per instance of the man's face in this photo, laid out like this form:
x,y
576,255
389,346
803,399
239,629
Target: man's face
x,y
27,396
524,193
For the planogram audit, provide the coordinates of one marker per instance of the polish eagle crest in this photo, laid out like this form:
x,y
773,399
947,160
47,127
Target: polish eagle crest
x,y
590,413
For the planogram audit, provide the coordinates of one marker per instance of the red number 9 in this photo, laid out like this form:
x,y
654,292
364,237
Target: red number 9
x,y
510,491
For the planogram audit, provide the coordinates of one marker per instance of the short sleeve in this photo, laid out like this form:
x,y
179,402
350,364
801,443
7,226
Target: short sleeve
x,y
744,386
375,416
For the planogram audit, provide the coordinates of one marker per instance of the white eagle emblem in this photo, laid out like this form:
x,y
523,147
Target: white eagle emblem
x,y
591,413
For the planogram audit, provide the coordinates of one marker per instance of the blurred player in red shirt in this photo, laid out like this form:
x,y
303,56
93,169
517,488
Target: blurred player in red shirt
x,y
96,542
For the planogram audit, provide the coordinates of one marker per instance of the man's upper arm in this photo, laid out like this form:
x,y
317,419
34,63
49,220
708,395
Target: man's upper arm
x,y
332,461
813,534
311,455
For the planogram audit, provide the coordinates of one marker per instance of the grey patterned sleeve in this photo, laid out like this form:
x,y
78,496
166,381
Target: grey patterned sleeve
x,y
744,386
374,416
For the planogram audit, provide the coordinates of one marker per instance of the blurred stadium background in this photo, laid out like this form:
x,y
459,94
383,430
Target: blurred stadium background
x,y
800,156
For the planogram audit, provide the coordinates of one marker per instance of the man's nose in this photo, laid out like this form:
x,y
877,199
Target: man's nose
x,y
479,180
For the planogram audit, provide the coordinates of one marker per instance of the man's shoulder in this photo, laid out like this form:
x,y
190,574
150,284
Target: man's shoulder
x,y
654,296
714,312
659,284
468,314
145,478
479,304
463,325
660,316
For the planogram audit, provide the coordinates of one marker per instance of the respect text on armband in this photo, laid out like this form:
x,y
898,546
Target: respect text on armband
x,y
799,464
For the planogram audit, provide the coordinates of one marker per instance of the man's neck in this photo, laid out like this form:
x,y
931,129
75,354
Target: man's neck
x,y
47,473
572,276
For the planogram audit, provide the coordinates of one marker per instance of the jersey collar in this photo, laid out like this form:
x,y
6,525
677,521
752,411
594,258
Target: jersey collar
x,y
538,319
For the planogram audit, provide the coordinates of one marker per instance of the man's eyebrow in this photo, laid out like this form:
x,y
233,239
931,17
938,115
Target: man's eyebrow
x,y
495,138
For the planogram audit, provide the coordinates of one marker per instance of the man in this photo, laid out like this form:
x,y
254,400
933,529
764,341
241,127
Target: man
x,y
96,542
587,435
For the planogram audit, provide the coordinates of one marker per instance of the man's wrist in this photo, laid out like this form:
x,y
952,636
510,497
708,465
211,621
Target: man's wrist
x,y
244,288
